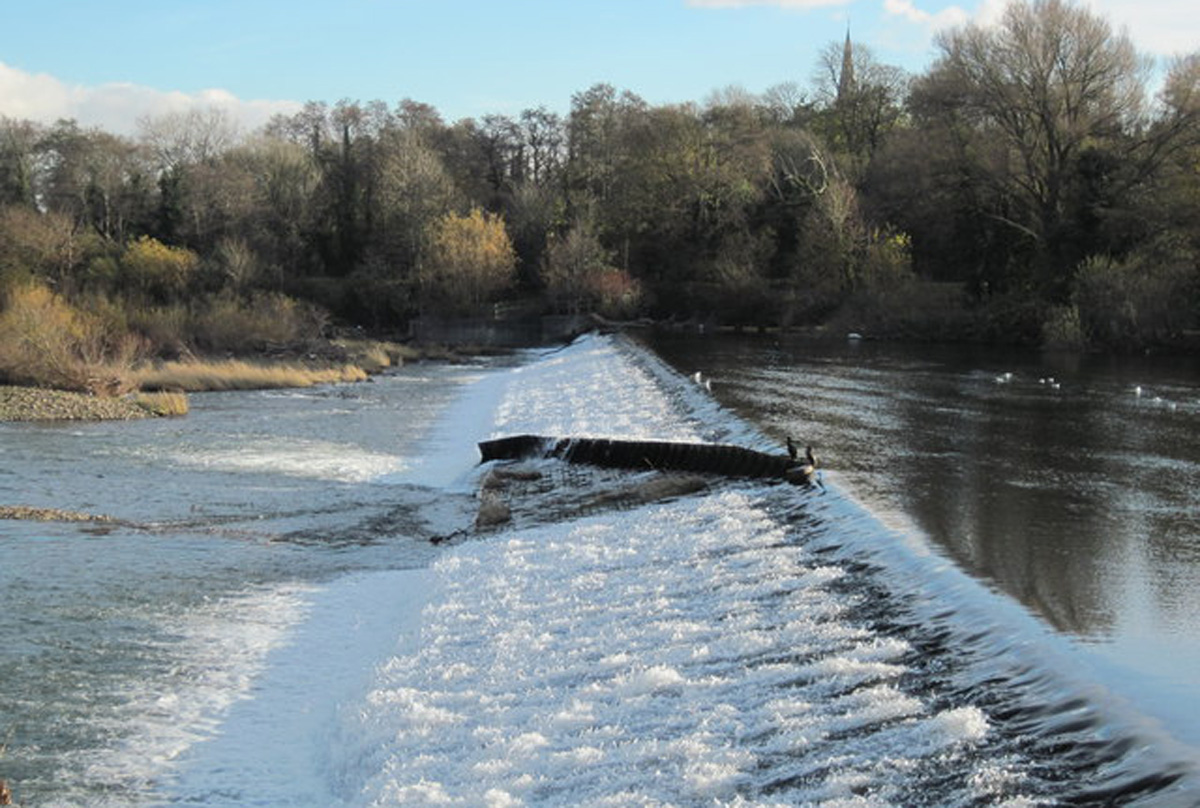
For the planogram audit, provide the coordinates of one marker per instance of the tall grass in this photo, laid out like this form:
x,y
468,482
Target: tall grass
x,y
375,356
235,374
101,346
163,404
46,341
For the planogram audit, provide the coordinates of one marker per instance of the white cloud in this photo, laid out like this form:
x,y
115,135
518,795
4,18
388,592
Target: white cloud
x,y
908,11
798,4
117,107
1160,27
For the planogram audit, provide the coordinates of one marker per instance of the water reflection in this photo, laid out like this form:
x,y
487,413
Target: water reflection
x,y
1067,481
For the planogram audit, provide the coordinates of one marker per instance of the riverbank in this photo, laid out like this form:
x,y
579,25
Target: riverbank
x,y
39,404
163,385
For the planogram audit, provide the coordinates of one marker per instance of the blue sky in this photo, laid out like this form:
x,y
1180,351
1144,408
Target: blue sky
x,y
109,63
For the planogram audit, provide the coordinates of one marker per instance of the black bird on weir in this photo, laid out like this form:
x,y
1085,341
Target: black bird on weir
x,y
794,453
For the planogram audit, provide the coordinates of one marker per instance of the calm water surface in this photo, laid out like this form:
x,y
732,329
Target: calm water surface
x,y
1068,482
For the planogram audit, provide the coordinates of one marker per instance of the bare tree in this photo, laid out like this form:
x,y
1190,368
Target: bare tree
x,y
785,102
189,138
18,152
1027,98
544,138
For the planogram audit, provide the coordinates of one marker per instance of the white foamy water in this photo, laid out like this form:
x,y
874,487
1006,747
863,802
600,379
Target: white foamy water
x,y
296,457
274,747
587,390
663,657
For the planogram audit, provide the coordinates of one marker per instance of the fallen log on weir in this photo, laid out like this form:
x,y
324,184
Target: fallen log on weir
x,y
703,458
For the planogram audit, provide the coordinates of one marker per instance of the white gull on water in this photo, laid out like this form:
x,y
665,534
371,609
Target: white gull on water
x,y
716,649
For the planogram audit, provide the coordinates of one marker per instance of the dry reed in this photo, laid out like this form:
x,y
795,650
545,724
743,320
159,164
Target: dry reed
x,y
163,404
376,356
234,374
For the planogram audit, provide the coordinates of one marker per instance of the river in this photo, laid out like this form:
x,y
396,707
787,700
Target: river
x,y
295,609
1068,482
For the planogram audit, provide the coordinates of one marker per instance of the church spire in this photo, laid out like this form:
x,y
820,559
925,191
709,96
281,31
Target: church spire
x,y
846,78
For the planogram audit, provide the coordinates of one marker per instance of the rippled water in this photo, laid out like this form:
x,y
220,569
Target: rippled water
x,y
120,647
273,625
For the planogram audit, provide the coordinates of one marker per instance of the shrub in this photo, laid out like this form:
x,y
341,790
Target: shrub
x,y
157,271
237,263
1138,301
470,260
614,292
231,324
104,272
887,261
165,328
44,340
41,244
737,293
571,261
1063,329
579,276
915,309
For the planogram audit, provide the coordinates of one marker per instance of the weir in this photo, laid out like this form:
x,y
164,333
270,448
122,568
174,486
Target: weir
x,y
703,458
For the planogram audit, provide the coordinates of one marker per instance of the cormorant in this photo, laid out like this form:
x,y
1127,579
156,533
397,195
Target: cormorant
x,y
793,452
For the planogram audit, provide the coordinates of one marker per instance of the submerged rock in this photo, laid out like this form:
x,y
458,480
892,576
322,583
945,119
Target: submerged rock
x,y
670,486
500,478
493,511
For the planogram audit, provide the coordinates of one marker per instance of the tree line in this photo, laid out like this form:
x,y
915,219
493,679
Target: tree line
x,y
1039,183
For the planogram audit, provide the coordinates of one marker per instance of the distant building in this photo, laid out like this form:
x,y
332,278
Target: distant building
x,y
846,78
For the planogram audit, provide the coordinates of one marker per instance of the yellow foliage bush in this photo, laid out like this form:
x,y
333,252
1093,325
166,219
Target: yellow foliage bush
x,y
470,260
158,271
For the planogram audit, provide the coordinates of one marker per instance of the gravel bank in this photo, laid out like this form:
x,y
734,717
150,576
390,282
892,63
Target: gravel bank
x,y
36,404
26,513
